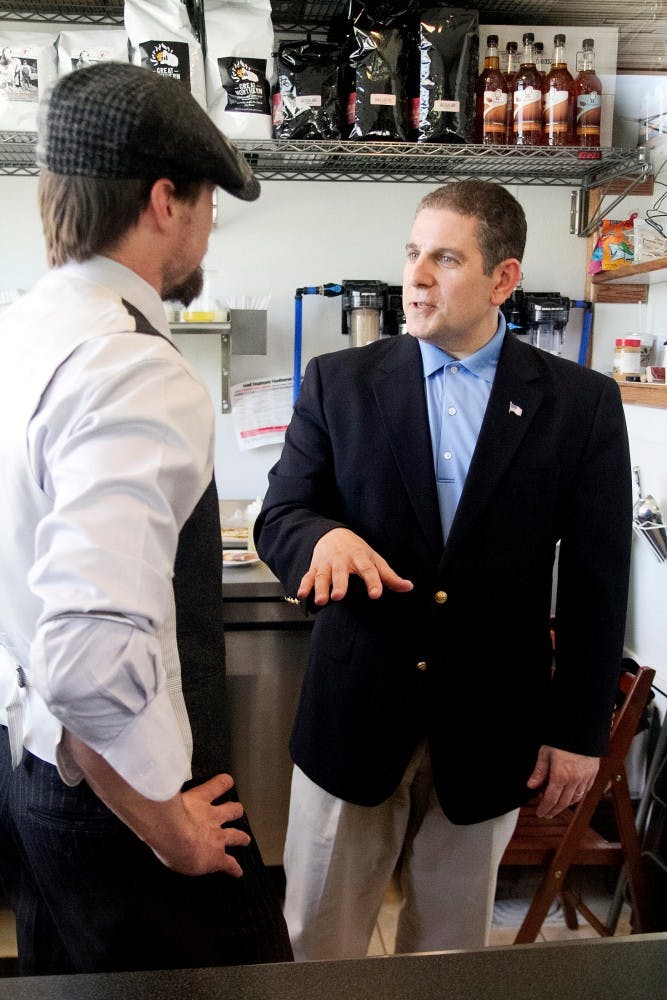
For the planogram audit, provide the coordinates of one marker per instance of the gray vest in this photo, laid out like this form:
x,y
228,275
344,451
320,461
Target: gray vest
x,y
199,628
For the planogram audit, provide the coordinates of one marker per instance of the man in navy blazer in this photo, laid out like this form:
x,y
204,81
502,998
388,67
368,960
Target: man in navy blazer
x,y
425,483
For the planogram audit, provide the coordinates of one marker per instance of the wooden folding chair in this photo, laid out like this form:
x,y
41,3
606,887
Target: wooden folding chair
x,y
568,839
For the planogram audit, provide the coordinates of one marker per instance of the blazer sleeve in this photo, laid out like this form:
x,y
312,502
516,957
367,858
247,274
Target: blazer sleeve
x,y
592,590
300,504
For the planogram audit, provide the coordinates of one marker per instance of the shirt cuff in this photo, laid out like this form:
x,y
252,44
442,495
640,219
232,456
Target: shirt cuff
x,y
149,753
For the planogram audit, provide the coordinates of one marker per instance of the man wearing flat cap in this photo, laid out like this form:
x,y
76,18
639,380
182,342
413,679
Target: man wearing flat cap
x,y
122,843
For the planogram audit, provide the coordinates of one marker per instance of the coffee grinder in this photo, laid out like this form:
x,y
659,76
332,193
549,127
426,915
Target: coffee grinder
x,y
363,307
370,310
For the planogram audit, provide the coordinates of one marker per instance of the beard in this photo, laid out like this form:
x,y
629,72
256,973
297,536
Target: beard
x,y
185,291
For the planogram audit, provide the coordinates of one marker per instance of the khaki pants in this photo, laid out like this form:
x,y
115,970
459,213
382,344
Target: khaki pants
x,y
339,860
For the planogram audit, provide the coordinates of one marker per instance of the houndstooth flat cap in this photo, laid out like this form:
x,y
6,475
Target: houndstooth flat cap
x,y
118,121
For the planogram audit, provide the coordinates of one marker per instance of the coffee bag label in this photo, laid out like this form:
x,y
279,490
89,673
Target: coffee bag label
x,y
245,84
167,58
27,70
19,78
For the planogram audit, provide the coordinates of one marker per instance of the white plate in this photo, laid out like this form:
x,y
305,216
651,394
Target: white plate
x,y
239,557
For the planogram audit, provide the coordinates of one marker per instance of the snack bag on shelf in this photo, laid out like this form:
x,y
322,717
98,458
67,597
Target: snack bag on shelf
x,y
649,243
617,241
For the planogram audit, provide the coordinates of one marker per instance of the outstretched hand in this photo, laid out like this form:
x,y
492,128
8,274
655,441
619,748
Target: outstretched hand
x,y
567,777
340,554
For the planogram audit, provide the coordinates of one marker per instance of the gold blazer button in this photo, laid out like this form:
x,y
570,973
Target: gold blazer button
x,y
440,597
422,665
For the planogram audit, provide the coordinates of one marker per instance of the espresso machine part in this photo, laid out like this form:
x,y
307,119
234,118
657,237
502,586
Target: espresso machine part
x,y
542,316
513,311
547,314
394,317
363,307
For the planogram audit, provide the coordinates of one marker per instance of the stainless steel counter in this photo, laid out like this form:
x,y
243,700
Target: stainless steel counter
x,y
267,648
601,969
250,582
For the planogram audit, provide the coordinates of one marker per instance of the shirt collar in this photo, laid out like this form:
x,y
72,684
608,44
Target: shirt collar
x,y
128,284
482,363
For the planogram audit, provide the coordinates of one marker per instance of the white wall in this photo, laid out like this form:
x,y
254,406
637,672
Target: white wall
x,y
646,633
302,233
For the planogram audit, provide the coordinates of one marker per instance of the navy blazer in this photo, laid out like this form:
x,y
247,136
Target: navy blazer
x,y
465,659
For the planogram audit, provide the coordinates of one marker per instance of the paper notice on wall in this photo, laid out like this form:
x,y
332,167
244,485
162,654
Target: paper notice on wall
x,y
261,411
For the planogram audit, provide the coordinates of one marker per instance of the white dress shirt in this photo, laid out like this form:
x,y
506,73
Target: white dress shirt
x,y
121,444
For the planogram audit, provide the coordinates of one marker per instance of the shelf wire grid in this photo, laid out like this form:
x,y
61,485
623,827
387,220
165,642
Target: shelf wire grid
x,y
100,12
420,162
383,162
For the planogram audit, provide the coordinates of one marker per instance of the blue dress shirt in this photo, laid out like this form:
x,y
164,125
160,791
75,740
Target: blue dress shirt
x,y
457,393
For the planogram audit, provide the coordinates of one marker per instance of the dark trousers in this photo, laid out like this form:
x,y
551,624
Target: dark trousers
x,y
89,896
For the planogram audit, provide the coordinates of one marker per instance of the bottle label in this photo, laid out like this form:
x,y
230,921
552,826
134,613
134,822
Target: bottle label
x,y
556,112
527,109
494,115
414,112
278,111
350,107
589,107
627,361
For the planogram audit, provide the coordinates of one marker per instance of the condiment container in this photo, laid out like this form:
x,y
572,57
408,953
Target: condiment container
x,y
627,356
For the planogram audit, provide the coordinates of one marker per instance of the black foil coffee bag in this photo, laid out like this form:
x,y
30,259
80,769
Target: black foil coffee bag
x,y
378,58
307,102
449,44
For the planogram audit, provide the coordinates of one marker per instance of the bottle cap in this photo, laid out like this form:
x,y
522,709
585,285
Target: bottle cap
x,y
559,39
588,43
529,37
491,40
628,342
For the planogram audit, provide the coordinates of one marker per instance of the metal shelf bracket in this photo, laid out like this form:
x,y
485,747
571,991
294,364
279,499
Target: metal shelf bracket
x,y
580,200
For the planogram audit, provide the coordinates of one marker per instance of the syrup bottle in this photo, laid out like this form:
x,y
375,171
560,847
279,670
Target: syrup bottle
x,y
512,50
588,97
558,100
527,98
539,59
491,99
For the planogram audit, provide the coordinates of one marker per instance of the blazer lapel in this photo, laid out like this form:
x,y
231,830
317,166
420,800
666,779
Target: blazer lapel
x,y
398,386
515,399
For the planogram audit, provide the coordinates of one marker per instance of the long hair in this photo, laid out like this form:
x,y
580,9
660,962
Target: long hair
x,y
500,219
83,216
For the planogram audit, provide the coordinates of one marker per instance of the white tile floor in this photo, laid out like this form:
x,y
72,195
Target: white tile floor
x,y
508,914
512,900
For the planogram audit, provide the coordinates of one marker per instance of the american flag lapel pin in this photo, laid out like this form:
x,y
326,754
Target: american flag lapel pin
x,y
516,410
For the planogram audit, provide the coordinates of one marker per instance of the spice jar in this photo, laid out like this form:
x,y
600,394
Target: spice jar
x,y
627,356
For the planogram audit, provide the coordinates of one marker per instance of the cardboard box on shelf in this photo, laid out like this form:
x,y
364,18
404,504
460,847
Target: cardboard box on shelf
x,y
606,49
